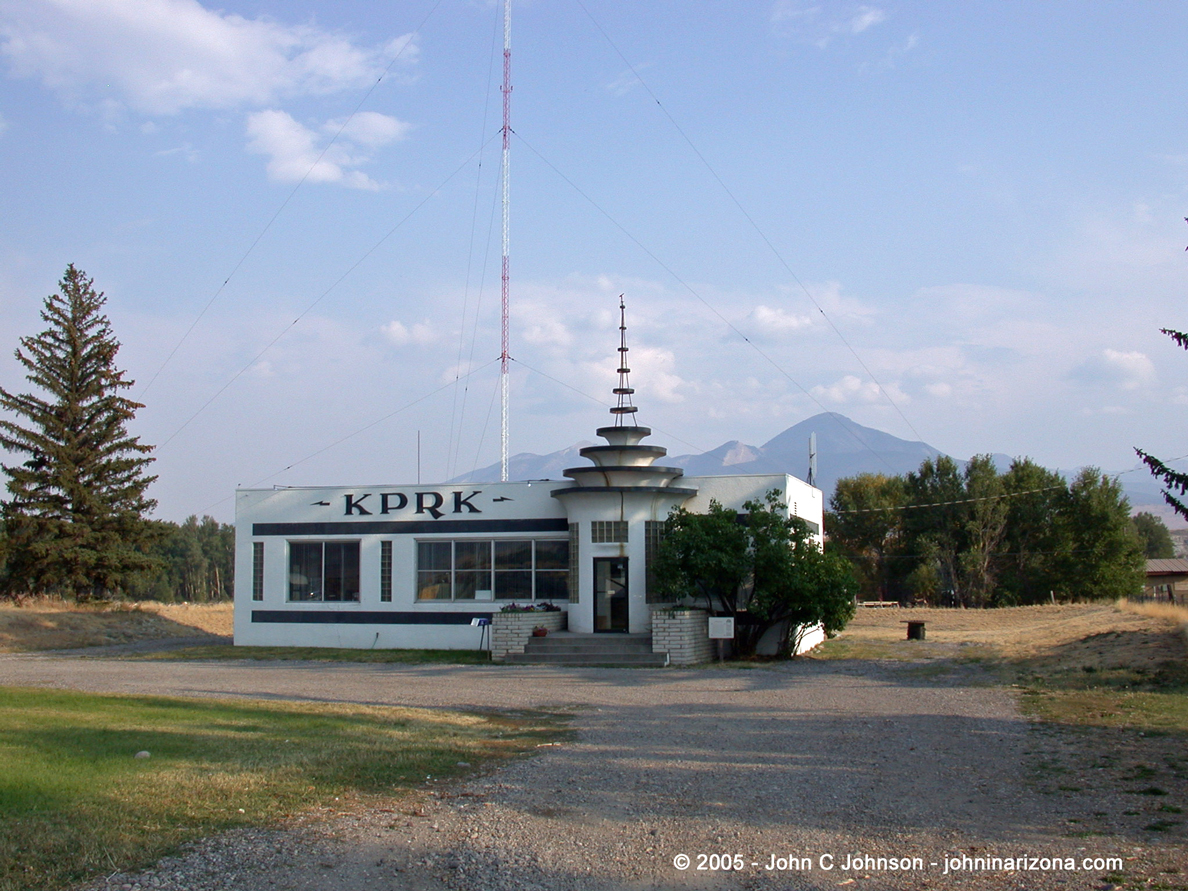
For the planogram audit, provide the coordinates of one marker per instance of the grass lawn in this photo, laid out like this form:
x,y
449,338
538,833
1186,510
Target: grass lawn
x,y
75,801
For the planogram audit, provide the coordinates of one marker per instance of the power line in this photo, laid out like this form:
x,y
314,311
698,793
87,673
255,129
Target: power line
x,y
562,383
703,301
355,433
322,296
872,510
284,204
762,235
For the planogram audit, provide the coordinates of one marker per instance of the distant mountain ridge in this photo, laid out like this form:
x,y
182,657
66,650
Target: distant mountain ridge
x,y
844,448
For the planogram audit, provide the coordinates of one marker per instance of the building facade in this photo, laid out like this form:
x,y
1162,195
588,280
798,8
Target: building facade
x,y
415,566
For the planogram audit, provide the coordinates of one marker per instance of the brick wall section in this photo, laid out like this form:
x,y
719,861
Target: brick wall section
x,y
511,631
683,634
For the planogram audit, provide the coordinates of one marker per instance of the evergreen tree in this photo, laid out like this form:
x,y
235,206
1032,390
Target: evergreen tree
x,y
75,522
1176,483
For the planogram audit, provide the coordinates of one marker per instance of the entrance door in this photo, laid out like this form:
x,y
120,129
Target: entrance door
x,y
610,594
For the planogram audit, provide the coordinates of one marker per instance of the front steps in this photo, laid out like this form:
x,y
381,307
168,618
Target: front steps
x,y
567,648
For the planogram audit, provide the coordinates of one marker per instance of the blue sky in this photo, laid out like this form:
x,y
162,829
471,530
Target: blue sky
x,y
986,201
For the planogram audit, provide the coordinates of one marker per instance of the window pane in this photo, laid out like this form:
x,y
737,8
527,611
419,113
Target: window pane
x,y
433,555
513,555
433,585
513,585
465,583
552,584
341,571
472,555
305,570
257,570
385,572
552,555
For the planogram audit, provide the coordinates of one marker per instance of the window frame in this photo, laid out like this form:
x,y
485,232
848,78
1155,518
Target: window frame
x,y
343,580
434,577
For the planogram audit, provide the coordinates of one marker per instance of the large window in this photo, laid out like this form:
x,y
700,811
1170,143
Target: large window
x,y
324,570
493,569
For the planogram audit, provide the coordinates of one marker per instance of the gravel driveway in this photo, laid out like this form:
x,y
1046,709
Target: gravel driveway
x,y
813,764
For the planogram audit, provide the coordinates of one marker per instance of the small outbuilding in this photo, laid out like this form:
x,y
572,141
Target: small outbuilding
x,y
1167,581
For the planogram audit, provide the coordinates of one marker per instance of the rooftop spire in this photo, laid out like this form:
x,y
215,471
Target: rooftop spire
x,y
624,390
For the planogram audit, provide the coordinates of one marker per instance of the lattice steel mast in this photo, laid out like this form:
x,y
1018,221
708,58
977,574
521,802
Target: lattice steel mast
x,y
503,355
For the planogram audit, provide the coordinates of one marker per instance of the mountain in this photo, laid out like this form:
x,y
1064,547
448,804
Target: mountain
x,y
844,448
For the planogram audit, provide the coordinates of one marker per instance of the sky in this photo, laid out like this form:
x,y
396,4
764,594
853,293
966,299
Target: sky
x,y
958,224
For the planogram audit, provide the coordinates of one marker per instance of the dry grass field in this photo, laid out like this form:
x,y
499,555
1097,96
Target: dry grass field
x,y
1094,636
49,624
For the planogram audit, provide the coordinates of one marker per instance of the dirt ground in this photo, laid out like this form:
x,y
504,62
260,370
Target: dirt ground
x,y
1093,635
875,744
47,624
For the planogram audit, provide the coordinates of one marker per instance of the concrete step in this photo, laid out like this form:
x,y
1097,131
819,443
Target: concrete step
x,y
585,645
566,648
619,660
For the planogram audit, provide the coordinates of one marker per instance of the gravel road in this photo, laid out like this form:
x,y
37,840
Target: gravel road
x,y
805,762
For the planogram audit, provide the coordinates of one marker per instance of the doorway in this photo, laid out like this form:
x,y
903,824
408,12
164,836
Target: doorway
x,y
610,594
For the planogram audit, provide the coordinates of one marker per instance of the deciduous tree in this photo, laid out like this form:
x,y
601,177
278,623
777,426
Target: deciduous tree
x,y
865,524
763,568
1154,535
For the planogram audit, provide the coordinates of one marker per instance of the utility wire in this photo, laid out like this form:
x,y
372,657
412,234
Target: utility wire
x,y
284,204
604,404
873,510
455,445
749,219
695,293
322,296
355,433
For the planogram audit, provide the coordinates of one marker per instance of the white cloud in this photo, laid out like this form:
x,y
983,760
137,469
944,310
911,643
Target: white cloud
x,y
778,320
400,334
853,390
1125,370
653,376
818,25
626,82
162,56
294,151
370,129
866,17
187,151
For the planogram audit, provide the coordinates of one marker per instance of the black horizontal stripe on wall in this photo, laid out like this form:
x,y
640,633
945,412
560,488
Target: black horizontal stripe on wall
x,y
347,617
411,527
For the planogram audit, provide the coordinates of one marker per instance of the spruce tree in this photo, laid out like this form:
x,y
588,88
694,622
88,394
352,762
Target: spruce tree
x,y
1175,482
75,521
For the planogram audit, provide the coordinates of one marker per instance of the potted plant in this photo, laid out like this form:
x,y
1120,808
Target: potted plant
x,y
540,631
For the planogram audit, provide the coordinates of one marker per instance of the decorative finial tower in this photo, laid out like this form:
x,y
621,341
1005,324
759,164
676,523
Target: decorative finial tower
x,y
613,503
624,390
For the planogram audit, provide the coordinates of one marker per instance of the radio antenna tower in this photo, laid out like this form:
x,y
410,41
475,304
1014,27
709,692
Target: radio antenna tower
x,y
503,355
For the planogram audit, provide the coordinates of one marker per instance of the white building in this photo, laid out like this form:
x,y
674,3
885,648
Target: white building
x,y
412,566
